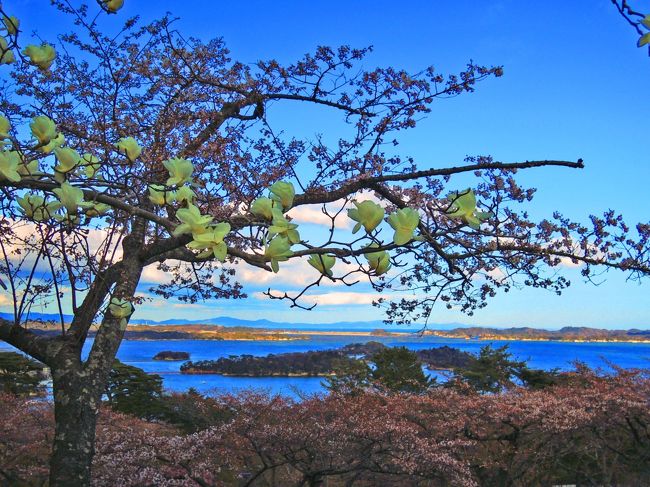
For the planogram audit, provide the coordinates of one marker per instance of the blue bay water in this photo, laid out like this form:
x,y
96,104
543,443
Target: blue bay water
x,y
538,354
545,355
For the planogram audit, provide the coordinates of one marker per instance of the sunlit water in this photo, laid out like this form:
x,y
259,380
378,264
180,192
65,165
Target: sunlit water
x,y
545,355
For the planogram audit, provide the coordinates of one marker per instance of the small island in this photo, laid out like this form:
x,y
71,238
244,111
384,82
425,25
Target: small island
x,y
170,355
318,363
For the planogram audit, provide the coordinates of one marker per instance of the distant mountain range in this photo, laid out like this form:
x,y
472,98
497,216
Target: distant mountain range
x,y
273,325
568,333
457,329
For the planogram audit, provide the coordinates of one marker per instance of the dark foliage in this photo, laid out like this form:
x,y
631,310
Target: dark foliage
x,y
320,363
20,374
298,363
494,369
131,390
171,355
398,370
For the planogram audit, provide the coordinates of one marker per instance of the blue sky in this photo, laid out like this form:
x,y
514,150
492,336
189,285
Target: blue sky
x,y
574,85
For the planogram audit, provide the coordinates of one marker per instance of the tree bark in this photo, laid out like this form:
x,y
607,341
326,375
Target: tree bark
x,y
75,414
313,480
78,387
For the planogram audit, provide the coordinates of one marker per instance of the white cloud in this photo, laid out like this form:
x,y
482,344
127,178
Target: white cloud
x,y
295,272
594,253
96,239
152,275
497,274
6,299
340,298
313,214
185,305
568,263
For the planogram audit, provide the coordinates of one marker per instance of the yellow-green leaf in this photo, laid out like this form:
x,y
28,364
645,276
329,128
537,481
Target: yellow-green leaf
x,y
38,208
404,222
5,127
68,159
323,263
121,309
180,171
9,161
464,207
191,221
29,169
367,213
646,21
278,250
98,209
112,6
29,203
283,192
378,261
263,208
43,128
55,143
212,241
69,219
71,198
283,227
42,56
6,54
160,196
91,164
643,40
11,23
185,193
129,147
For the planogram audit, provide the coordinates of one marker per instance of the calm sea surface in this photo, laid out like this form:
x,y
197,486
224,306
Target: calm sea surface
x,y
544,355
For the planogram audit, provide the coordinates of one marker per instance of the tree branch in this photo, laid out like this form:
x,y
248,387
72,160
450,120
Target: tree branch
x,y
367,182
539,250
91,195
318,101
26,341
85,314
229,110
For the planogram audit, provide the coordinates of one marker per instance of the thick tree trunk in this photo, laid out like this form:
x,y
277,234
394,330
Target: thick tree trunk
x,y
78,387
75,414
314,480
